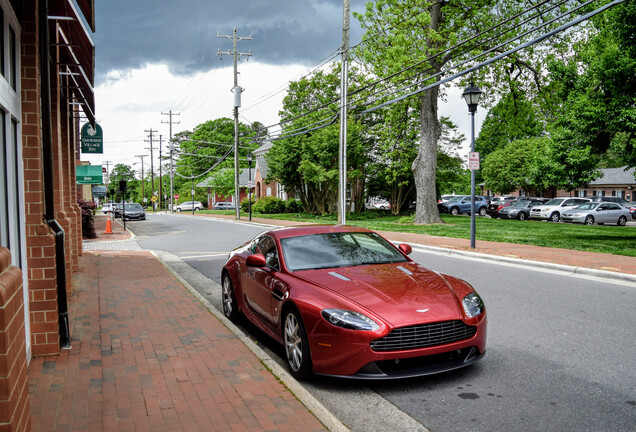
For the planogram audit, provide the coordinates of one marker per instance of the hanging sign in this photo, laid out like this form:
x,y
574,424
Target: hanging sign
x,y
92,139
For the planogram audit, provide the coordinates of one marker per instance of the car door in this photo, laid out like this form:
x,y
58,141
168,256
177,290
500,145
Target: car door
x,y
609,213
263,290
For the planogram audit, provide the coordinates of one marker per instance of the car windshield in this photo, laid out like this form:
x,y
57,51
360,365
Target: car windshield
x,y
456,198
555,201
520,204
133,206
319,251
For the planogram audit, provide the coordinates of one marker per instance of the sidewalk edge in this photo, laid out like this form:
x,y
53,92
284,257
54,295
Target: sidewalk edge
x,y
307,399
575,270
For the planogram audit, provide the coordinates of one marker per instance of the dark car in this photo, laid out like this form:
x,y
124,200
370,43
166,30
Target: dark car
x,y
134,211
461,204
495,206
344,301
620,201
117,207
518,209
632,209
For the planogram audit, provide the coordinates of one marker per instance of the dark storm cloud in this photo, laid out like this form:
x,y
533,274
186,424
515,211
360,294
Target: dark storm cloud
x,y
183,34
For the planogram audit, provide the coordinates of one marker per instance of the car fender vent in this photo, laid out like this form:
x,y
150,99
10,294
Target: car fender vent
x,y
339,276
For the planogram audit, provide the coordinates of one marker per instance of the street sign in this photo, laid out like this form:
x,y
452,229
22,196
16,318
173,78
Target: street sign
x,y
473,160
92,139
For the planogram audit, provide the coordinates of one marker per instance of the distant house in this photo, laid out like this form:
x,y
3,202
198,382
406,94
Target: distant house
x,y
244,181
263,188
618,182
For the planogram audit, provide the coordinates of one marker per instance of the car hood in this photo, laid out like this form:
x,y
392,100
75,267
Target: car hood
x,y
401,293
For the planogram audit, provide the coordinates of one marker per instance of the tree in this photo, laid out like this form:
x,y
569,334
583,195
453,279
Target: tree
x,y
308,162
598,87
126,173
222,182
420,38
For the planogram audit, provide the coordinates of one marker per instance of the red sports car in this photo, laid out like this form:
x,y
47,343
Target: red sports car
x,y
345,302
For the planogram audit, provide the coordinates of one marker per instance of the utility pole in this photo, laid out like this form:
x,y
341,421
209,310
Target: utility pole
x,y
342,147
107,163
152,168
170,122
160,175
143,181
237,103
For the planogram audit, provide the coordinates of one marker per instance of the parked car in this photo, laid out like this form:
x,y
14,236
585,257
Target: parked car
x,y
445,198
495,207
344,301
553,209
107,207
632,209
620,201
597,212
117,209
188,205
518,209
224,206
461,204
134,211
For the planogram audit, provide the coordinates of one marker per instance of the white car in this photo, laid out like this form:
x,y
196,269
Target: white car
x,y
108,208
597,212
188,205
553,209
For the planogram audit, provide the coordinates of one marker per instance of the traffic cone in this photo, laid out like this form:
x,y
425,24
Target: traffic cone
x,y
109,229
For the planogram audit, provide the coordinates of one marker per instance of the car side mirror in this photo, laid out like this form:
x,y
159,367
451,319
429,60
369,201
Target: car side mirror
x,y
406,249
256,260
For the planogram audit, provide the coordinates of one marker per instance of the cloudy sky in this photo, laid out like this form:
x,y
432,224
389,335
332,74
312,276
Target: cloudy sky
x,y
155,56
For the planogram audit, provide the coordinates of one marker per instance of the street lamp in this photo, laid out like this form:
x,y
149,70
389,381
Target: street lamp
x,y
471,95
249,183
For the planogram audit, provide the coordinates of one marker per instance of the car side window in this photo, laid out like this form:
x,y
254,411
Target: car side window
x,y
569,203
267,247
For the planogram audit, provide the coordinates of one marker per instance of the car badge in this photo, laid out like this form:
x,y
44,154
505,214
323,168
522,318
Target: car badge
x,y
422,310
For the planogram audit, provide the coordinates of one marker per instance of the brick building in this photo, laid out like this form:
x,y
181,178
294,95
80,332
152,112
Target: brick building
x,y
46,82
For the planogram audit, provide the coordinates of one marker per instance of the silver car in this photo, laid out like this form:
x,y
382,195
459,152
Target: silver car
x,y
597,212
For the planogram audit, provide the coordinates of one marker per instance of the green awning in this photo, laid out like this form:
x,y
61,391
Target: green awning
x,y
88,174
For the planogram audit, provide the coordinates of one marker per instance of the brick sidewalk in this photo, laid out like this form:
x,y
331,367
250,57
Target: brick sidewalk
x,y
147,356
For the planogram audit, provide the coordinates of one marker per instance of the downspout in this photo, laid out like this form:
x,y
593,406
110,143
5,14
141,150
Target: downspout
x,y
47,164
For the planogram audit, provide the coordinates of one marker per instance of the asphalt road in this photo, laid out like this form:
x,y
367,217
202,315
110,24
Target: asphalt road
x,y
560,353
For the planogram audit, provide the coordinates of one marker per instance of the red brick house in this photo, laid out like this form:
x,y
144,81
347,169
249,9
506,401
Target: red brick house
x,y
46,76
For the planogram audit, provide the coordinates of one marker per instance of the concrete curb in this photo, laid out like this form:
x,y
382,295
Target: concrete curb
x,y
307,399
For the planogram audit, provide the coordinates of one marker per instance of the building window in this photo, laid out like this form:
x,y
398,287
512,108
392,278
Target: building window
x,y
269,191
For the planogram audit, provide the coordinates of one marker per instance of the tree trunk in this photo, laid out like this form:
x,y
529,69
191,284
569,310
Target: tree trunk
x,y
425,164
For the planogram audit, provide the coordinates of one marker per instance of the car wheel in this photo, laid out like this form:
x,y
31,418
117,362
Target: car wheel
x,y
296,346
482,211
555,217
589,220
178,210
454,211
229,299
621,221
521,216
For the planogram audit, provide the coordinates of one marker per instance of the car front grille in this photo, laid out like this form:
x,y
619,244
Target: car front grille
x,y
424,335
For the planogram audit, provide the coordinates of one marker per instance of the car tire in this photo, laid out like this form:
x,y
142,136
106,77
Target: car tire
x,y
521,216
555,217
621,221
178,210
230,308
482,211
296,345
454,211
589,220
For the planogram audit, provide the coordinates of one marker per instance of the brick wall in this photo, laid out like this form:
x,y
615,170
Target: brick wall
x,y
40,242
14,394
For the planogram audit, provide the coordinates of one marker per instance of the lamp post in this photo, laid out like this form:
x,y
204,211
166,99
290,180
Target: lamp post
x,y
471,95
249,183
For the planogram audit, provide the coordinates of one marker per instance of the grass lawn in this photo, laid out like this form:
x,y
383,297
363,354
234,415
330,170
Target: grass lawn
x,y
606,239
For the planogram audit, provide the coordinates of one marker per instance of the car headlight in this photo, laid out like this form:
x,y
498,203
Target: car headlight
x,y
473,305
349,319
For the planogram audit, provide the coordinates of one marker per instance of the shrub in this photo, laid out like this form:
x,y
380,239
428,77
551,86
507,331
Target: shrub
x,y
269,205
88,223
245,205
293,206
